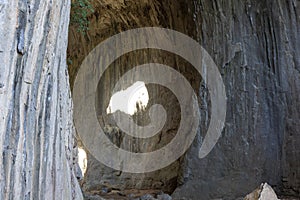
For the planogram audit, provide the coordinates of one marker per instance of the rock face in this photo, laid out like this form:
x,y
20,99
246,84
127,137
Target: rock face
x,y
36,128
256,46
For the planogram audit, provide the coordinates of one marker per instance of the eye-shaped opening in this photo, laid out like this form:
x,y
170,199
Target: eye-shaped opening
x,y
130,100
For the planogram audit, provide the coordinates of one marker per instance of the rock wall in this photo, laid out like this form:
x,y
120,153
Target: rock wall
x,y
256,46
36,127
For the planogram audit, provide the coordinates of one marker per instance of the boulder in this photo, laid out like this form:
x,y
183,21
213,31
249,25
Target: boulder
x,y
264,192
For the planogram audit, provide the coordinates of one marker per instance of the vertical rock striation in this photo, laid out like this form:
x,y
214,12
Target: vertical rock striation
x,y
36,128
256,46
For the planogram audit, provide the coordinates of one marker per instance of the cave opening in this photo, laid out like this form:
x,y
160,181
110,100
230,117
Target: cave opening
x,y
135,99
130,100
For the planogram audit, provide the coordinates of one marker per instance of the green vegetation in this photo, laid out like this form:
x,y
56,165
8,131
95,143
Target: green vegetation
x,y
80,10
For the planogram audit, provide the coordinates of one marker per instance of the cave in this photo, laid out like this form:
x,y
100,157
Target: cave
x,y
257,143
98,178
149,99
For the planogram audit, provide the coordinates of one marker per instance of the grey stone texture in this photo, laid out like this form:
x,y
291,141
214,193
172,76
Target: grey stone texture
x,y
38,152
256,46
